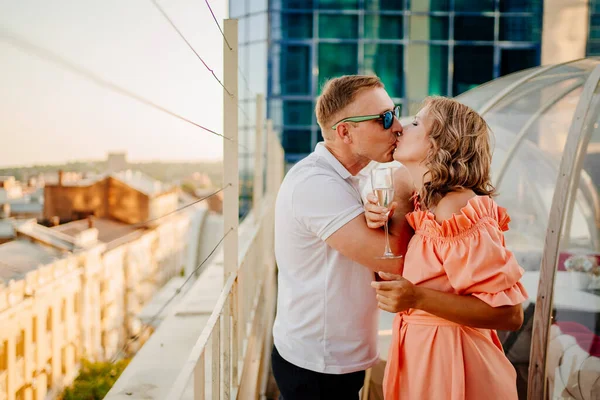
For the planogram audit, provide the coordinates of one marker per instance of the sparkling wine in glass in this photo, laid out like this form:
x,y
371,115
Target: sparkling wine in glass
x,y
382,181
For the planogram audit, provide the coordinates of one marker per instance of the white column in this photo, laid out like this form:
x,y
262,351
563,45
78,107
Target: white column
x,y
230,148
258,156
271,157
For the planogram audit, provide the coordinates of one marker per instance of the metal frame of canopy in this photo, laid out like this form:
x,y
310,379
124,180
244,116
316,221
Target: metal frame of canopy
x,y
580,132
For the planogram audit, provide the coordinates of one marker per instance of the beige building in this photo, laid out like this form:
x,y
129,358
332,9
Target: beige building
x,y
126,196
76,290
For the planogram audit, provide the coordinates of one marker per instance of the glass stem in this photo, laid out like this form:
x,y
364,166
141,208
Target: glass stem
x,y
388,251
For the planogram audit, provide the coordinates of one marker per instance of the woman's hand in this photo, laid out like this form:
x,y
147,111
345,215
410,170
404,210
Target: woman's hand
x,y
375,214
395,294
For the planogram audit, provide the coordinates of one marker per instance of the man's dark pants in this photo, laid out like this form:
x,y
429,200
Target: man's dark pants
x,y
297,383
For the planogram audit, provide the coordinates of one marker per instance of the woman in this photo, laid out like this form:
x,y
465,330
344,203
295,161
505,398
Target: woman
x,y
458,247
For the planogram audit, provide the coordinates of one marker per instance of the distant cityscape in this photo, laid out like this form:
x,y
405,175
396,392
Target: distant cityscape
x,y
162,171
86,248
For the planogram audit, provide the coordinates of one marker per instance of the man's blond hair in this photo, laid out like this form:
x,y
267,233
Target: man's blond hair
x,y
337,94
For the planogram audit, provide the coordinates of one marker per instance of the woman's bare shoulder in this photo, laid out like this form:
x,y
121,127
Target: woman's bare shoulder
x,y
452,203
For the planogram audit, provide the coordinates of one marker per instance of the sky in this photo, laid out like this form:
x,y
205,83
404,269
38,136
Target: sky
x,y
50,115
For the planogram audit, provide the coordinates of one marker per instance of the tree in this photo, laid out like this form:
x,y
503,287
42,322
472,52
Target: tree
x,y
95,380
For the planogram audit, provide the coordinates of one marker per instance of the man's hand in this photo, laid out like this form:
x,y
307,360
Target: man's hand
x,y
395,294
375,214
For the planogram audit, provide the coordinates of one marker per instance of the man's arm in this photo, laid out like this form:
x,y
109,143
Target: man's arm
x,y
331,210
358,242
399,295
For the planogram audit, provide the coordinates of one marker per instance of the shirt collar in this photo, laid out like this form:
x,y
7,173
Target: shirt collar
x,y
324,152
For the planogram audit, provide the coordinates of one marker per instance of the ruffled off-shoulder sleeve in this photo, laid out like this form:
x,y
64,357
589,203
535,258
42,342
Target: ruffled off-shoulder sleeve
x,y
475,258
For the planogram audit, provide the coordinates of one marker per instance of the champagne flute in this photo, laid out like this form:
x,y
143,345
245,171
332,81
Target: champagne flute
x,y
382,181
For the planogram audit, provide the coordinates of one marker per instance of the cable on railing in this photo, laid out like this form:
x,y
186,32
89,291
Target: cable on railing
x,y
228,45
180,208
189,45
218,26
246,117
245,81
166,16
47,55
164,306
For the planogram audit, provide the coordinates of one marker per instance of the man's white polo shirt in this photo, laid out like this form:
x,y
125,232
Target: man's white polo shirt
x,y
327,312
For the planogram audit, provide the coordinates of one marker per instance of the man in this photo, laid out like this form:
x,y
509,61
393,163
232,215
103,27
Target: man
x,y
325,331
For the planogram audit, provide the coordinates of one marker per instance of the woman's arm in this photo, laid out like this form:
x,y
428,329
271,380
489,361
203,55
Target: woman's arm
x,y
399,295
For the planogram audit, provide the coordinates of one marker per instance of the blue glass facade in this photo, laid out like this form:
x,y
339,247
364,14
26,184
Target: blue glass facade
x,y
593,44
418,48
289,48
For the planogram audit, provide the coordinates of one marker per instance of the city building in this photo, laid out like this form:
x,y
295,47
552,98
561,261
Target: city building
x,y
289,48
77,290
10,189
126,196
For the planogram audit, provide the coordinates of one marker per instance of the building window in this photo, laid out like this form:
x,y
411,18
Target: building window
x,y
338,26
21,345
593,44
297,112
49,321
514,60
295,69
34,330
49,375
473,6
63,310
474,28
76,299
63,360
520,5
297,141
520,29
473,65
595,27
338,4
387,5
20,394
384,26
385,61
294,4
296,25
337,59
3,355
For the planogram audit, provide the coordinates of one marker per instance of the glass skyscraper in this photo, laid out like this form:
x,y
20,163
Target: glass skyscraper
x,y
289,48
593,44
417,48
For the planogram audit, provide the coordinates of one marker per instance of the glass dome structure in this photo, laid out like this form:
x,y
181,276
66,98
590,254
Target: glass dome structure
x,y
546,167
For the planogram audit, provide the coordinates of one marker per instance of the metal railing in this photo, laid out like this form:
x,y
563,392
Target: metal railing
x,y
229,358
236,338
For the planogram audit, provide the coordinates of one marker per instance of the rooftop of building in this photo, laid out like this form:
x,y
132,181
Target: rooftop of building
x,y
19,257
109,231
25,207
135,179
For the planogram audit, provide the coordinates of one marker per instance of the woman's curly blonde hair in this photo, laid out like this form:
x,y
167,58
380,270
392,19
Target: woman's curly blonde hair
x,y
460,156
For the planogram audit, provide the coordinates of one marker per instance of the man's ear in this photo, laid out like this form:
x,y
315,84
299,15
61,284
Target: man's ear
x,y
343,133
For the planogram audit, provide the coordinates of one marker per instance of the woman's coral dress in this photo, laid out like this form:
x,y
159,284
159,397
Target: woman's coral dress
x,y
431,358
